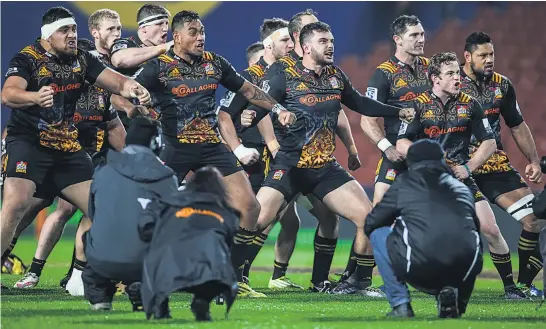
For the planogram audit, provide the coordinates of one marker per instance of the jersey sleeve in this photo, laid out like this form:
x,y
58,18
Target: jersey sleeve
x,y
510,110
148,74
411,130
122,44
20,66
481,129
234,103
378,87
367,106
230,78
94,67
276,88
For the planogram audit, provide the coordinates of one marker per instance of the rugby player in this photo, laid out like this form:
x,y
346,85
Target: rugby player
x,y
42,138
99,128
183,83
305,162
451,117
498,180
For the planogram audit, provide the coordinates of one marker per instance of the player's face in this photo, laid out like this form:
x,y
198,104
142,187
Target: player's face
x,y
482,60
157,34
256,57
191,37
413,41
282,46
321,48
64,41
450,78
108,32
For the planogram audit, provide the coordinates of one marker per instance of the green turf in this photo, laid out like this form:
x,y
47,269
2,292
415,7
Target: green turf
x,y
47,307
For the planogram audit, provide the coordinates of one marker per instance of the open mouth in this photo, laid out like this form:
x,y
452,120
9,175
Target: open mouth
x,y
457,84
72,44
489,67
164,37
329,54
200,46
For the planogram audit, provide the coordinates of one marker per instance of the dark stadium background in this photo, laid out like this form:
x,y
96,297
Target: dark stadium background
x,y
361,30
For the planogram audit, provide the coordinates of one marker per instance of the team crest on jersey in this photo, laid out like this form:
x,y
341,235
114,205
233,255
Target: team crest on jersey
x,y
334,83
400,83
278,174
101,102
21,167
391,174
462,112
209,69
76,67
44,72
498,93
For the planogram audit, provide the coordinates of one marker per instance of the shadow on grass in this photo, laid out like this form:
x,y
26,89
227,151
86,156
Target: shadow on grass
x,y
540,319
134,321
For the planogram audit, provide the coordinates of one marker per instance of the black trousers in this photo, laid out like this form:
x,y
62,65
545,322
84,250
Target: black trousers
x,y
99,288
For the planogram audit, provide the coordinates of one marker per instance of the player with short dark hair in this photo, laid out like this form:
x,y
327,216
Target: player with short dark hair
x,y
499,181
254,52
183,83
451,117
42,138
305,162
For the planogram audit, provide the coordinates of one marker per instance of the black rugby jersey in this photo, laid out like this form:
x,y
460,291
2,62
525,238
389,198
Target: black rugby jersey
x,y
498,98
316,102
93,112
234,103
125,43
452,124
51,127
396,83
184,94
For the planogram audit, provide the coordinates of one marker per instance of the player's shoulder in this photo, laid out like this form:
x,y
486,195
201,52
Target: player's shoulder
x,y
388,67
423,60
31,53
165,58
465,98
423,98
501,80
286,61
255,71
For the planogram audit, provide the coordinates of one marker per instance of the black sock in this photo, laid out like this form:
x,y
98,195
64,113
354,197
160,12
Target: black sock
x,y
324,254
37,266
351,264
69,273
279,270
8,251
240,250
534,266
364,268
503,263
78,264
253,251
527,248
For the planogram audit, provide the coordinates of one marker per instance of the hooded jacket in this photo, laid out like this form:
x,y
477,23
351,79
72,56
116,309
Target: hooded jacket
x,y
436,229
120,192
191,236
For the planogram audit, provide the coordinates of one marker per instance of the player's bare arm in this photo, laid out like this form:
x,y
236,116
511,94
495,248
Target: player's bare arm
x,y
121,85
484,152
526,144
131,57
15,95
116,134
258,97
343,130
265,127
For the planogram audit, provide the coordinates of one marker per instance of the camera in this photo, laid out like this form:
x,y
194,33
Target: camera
x,y
543,164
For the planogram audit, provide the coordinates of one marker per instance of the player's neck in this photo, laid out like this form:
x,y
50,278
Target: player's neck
x,y
183,54
298,50
405,58
469,72
269,58
444,97
310,64
47,47
102,50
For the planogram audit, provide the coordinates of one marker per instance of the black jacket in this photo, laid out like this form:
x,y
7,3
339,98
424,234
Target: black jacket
x,y
191,236
120,192
539,205
435,220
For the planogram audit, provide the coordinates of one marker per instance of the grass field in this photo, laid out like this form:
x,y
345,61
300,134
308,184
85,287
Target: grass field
x,y
48,307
